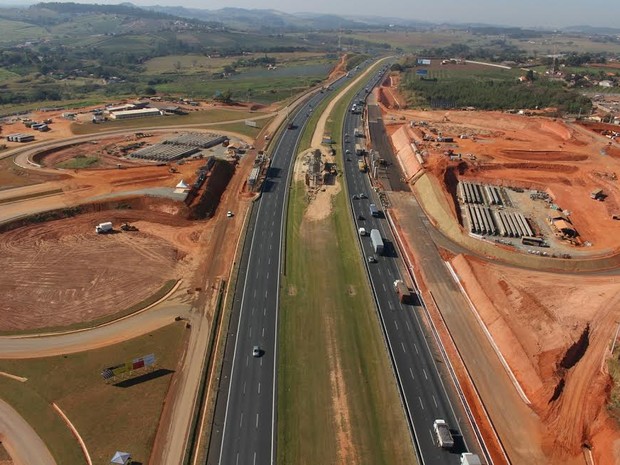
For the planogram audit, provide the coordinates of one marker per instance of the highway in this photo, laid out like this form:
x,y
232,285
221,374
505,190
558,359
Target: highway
x,y
244,425
424,394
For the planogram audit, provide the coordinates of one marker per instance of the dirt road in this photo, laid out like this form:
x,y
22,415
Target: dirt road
x,y
21,442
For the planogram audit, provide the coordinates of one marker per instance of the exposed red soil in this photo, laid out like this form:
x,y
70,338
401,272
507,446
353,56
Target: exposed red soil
x,y
554,330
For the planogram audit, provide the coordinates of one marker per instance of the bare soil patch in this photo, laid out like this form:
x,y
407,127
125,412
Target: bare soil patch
x,y
62,272
555,331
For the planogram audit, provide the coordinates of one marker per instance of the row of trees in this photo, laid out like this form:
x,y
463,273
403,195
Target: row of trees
x,y
497,95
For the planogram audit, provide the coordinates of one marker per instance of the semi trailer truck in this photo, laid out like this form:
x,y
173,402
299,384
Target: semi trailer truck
x,y
377,241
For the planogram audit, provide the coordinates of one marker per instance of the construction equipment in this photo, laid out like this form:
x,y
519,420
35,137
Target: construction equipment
x,y
128,227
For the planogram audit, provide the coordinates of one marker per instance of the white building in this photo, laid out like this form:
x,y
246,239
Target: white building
x,y
129,114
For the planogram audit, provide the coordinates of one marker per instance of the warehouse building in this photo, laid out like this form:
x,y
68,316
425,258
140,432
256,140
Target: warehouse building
x,y
130,114
20,137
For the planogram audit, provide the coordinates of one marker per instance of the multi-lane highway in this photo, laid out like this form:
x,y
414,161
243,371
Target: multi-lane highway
x,y
245,429
422,388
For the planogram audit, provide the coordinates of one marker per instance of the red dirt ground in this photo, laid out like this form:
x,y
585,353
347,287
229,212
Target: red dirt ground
x,y
554,330
62,272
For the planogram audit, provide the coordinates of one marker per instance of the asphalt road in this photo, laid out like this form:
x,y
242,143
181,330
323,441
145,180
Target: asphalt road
x,y
245,430
422,388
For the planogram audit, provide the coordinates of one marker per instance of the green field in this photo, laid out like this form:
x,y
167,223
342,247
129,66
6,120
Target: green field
x,y
15,31
108,417
79,162
218,115
331,347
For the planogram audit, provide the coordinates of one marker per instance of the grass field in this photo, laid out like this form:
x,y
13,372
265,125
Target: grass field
x,y
16,31
332,349
79,162
218,115
108,417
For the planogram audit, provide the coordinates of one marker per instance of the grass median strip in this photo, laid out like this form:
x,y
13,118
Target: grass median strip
x,y
337,397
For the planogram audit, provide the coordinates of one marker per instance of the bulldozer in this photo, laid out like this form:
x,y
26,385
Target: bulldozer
x,y
128,227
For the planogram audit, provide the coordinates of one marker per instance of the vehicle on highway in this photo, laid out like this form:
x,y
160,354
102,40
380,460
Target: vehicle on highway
x,y
372,259
377,241
360,217
363,196
347,151
256,351
362,231
444,436
355,197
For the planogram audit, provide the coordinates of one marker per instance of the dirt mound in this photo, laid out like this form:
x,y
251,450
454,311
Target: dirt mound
x,y
557,128
561,327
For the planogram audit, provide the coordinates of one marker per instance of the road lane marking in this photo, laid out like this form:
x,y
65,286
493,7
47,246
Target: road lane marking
x,y
403,346
268,276
266,292
421,404
416,348
269,261
390,305
241,420
263,332
408,328
425,376
254,458
259,387
250,332
237,458
435,400
411,373
244,387
256,428
396,324
384,288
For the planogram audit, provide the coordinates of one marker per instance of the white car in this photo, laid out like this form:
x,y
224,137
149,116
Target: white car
x,y
229,214
256,351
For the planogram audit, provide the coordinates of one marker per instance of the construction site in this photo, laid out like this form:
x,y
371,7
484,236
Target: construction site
x,y
528,206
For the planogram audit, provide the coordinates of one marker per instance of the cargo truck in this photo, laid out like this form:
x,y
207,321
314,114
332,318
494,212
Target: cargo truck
x,y
103,228
402,290
444,436
467,458
377,241
359,150
361,164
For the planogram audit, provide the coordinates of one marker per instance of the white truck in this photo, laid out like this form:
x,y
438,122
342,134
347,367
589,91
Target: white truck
x,y
467,458
377,241
103,228
444,436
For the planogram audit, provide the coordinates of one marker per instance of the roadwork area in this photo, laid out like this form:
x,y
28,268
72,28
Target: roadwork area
x,y
554,329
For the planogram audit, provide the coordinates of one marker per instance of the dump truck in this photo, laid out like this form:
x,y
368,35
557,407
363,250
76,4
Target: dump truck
x,y
361,164
377,241
467,458
103,228
444,436
404,294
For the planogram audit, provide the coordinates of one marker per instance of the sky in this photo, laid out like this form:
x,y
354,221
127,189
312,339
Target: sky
x,y
525,13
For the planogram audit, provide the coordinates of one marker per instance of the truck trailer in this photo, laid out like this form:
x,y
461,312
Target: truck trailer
x,y
444,436
377,241
103,228
404,294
